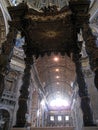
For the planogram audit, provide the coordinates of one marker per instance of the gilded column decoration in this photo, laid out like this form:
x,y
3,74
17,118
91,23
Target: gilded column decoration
x,y
80,10
22,110
83,93
92,50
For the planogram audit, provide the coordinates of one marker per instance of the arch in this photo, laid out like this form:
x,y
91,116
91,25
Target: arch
x,y
4,27
7,109
13,74
5,15
4,119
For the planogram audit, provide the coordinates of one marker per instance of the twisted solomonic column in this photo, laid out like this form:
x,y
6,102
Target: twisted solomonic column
x,y
83,93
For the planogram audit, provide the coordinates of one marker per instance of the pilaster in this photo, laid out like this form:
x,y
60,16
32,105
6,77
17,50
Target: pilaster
x,y
6,55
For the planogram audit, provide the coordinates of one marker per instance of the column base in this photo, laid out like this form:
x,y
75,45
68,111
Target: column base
x,y
19,126
90,125
90,128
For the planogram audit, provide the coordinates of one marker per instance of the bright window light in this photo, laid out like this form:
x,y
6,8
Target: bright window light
x,y
38,113
59,102
51,118
67,118
59,118
43,103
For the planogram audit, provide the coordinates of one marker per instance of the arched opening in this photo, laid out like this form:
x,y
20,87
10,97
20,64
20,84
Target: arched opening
x,y
4,119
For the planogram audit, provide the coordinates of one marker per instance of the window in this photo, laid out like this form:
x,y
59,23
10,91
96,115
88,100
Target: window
x,y
67,118
59,118
51,118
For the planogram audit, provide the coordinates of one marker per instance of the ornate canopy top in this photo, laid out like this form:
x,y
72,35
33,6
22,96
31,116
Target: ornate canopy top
x,y
38,4
50,29
47,14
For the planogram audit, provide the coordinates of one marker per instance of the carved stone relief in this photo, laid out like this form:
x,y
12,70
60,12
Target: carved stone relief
x,y
10,81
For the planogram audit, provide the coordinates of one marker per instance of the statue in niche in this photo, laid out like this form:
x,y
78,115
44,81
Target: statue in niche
x,y
9,85
19,41
83,51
